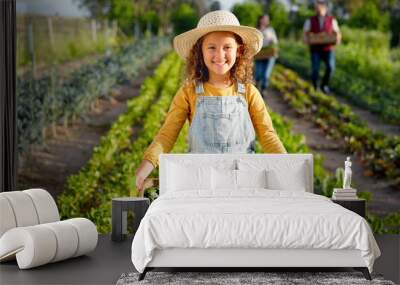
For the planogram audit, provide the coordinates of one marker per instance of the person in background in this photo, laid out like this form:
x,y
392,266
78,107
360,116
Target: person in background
x,y
322,22
264,64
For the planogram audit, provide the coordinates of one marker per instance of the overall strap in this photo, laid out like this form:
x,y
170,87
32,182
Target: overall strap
x,y
199,88
241,88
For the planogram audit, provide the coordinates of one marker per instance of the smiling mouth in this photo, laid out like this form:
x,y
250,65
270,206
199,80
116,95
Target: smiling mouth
x,y
219,63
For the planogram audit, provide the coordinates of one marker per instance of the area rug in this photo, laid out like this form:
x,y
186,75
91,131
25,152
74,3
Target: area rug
x,y
243,278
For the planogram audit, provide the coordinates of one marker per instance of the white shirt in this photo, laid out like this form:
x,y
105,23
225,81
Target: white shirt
x,y
269,36
335,25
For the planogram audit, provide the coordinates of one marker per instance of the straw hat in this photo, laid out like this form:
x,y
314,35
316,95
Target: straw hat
x,y
218,21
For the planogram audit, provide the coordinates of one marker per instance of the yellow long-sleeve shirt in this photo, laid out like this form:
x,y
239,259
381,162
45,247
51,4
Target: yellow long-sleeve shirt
x,y
183,107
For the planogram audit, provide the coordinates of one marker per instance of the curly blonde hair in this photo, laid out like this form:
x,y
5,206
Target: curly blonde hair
x,y
241,71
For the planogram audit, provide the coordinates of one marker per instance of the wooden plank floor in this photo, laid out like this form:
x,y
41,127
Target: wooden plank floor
x,y
110,259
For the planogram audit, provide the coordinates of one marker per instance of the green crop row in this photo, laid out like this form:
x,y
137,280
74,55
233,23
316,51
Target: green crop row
x,y
110,171
50,100
81,187
380,153
366,76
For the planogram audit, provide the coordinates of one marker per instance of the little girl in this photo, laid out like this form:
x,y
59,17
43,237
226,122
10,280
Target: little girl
x,y
224,109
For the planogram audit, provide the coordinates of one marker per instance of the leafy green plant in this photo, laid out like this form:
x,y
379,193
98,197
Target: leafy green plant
x,y
389,224
184,18
368,16
247,13
377,151
51,99
110,171
279,18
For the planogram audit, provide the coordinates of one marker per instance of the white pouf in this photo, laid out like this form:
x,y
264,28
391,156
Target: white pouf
x,y
31,231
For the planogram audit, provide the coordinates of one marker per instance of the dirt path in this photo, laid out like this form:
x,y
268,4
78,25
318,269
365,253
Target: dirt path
x,y
385,198
49,166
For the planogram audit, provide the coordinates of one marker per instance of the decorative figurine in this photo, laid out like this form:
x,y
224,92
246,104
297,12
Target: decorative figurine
x,y
347,174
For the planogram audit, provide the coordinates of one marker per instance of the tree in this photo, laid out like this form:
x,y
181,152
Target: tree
x,y
369,16
216,5
279,18
395,27
184,18
123,12
97,8
247,13
150,18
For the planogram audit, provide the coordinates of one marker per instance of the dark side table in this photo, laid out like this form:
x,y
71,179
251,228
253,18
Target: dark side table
x,y
120,208
358,206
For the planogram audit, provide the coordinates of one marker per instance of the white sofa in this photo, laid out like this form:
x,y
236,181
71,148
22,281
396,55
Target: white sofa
x,y
31,231
294,227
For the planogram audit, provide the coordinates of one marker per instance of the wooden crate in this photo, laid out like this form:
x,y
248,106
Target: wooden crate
x,y
267,52
322,38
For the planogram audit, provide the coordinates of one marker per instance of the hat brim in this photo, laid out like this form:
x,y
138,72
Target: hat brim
x,y
252,37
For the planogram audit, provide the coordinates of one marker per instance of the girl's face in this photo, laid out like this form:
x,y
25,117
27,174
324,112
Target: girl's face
x,y
220,51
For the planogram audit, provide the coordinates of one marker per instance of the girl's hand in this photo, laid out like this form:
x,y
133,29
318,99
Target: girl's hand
x,y
142,172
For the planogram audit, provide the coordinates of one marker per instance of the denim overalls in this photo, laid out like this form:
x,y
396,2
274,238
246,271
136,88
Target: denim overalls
x,y
221,124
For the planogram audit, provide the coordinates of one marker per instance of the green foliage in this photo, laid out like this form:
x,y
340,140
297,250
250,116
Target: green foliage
x,y
389,224
215,5
395,28
72,39
110,171
368,16
366,76
123,12
46,101
377,151
395,54
184,18
299,18
365,195
279,18
150,18
367,39
247,13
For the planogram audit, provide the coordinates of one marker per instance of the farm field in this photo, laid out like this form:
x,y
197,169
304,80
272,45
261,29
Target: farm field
x,y
125,128
91,96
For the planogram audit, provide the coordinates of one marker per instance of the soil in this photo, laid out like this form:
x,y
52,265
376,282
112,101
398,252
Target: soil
x,y
48,166
386,197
